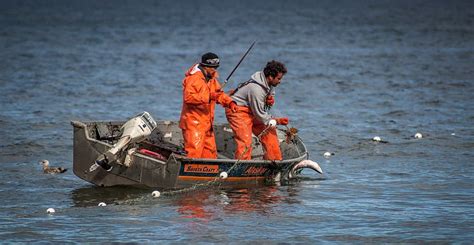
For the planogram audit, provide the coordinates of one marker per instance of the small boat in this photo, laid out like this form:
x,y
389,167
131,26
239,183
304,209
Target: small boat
x,y
159,161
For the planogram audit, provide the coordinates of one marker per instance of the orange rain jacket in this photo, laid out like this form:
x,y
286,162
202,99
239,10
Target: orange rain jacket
x,y
197,113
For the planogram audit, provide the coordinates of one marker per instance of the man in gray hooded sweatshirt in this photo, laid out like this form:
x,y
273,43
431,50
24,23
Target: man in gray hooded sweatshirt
x,y
254,99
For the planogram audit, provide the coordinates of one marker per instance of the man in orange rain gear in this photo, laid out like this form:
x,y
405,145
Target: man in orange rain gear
x,y
254,99
201,91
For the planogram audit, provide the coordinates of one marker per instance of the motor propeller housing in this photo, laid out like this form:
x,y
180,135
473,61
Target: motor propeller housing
x,y
133,131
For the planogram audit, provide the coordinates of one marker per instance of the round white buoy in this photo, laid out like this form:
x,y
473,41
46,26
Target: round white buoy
x,y
101,204
156,194
377,138
50,211
453,134
327,154
223,175
418,136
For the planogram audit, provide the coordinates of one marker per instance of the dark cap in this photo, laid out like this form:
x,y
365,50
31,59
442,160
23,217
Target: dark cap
x,y
210,60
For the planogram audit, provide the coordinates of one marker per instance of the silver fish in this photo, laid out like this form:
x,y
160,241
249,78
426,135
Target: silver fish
x,y
304,164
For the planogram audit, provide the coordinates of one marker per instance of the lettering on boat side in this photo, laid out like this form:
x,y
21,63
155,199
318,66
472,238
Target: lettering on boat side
x,y
200,168
255,170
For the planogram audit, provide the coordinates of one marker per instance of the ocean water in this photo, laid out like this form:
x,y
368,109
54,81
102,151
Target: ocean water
x,y
356,69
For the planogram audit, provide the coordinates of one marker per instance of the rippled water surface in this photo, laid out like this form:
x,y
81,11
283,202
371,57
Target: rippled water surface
x,y
357,69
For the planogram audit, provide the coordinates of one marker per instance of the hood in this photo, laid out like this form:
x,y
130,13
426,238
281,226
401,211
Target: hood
x,y
259,77
192,70
195,69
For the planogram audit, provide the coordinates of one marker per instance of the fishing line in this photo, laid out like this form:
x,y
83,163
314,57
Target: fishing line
x,y
210,182
289,132
195,186
191,188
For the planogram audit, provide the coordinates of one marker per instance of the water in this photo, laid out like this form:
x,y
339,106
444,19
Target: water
x,y
357,69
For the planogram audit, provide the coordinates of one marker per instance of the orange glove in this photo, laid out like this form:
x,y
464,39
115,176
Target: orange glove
x,y
233,106
270,100
215,95
282,120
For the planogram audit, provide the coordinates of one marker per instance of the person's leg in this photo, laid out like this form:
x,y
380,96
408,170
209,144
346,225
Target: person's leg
x,y
193,143
209,149
269,140
241,124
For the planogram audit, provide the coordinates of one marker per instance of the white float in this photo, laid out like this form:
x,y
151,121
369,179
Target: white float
x,y
327,154
156,194
223,175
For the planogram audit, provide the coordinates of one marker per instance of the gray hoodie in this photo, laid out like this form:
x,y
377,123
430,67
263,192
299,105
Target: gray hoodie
x,y
254,96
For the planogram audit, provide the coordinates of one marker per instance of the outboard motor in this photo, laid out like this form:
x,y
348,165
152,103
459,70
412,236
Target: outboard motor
x,y
133,131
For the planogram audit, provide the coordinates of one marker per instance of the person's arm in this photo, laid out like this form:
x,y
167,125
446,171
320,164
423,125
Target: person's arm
x,y
221,97
196,91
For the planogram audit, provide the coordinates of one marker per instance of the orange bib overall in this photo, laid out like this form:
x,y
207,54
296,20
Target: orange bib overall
x,y
243,123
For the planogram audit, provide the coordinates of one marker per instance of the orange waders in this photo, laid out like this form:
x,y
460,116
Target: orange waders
x,y
243,123
199,143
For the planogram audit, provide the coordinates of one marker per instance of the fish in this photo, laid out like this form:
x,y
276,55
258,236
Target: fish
x,y
51,170
304,164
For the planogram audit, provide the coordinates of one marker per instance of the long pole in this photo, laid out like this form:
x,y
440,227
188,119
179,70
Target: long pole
x,y
238,64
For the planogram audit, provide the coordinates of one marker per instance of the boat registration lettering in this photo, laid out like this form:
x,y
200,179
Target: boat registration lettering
x,y
255,170
201,168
